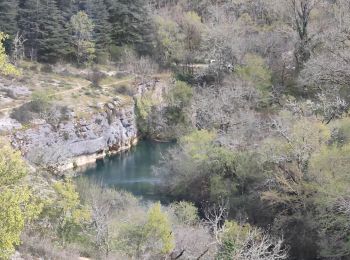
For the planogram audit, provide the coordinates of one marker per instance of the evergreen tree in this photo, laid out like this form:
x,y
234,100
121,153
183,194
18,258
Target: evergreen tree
x,y
43,27
8,22
53,39
8,16
131,24
68,8
97,11
29,24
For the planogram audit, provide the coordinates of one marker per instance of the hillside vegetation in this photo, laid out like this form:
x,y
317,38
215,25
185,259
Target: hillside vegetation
x,y
254,92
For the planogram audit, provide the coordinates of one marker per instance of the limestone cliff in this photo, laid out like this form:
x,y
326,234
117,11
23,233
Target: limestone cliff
x,y
77,142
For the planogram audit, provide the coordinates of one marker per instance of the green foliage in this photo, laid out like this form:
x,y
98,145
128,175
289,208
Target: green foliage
x,y
329,168
41,100
5,67
232,239
169,40
295,143
12,167
82,27
180,95
115,52
255,71
192,27
132,24
165,117
44,29
97,11
341,132
199,169
287,159
53,37
330,178
18,205
152,234
178,101
144,107
158,228
198,144
66,212
9,12
185,212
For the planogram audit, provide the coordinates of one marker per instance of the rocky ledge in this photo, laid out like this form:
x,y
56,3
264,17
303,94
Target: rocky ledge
x,y
77,142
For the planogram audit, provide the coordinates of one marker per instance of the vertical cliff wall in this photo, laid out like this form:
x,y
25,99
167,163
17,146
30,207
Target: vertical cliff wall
x,y
76,142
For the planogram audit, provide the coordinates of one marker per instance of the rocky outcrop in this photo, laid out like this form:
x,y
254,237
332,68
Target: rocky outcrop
x,y
12,89
8,124
76,142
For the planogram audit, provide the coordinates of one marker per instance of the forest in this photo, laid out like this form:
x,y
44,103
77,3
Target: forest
x,y
258,106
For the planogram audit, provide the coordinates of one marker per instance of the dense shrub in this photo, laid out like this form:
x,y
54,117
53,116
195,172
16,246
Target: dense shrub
x,y
95,77
47,68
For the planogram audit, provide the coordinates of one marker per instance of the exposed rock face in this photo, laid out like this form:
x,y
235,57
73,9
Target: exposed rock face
x,y
7,124
13,90
79,141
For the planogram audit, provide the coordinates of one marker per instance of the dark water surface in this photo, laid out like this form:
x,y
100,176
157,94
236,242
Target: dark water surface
x,y
131,170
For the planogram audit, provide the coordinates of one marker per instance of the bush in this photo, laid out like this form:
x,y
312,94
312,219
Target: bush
x,y
115,52
43,248
185,77
23,114
185,212
46,68
341,132
180,95
102,58
124,90
255,70
34,68
40,101
95,77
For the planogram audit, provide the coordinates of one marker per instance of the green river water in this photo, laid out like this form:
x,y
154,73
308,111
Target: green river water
x,y
131,170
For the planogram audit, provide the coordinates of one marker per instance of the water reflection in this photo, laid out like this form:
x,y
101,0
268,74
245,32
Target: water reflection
x,y
132,170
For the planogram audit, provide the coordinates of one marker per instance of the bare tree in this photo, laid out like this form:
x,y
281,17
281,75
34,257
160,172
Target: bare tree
x,y
215,216
141,67
229,109
301,10
193,242
342,205
261,246
105,203
18,48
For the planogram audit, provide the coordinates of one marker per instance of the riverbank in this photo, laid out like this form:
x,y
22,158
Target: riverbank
x,y
64,122
88,160
77,141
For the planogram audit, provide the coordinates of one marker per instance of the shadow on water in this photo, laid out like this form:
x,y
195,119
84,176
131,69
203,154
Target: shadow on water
x,y
132,171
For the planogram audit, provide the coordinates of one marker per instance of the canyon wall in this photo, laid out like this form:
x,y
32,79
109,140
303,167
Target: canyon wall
x,y
76,142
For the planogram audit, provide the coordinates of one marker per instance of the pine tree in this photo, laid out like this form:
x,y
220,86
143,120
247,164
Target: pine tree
x,y
67,8
53,39
131,24
8,16
97,11
29,24
43,26
8,23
